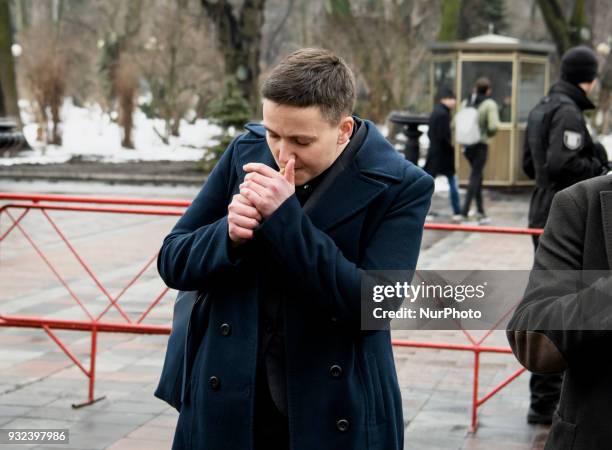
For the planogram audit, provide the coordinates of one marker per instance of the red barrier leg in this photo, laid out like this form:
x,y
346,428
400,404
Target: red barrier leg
x,y
474,424
92,372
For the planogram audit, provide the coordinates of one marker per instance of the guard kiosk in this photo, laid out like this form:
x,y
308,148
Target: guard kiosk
x,y
520,76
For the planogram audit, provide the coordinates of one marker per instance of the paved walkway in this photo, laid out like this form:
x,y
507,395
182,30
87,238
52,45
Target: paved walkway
x,y
38,383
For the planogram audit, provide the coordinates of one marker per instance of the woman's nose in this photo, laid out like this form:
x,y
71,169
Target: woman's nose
x,y
284,153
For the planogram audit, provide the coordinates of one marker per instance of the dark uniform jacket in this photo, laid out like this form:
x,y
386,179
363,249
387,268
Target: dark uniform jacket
x,y
545,331
341,384
558,149
441,153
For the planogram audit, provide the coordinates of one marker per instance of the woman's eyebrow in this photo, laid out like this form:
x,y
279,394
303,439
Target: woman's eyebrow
x,y
296,136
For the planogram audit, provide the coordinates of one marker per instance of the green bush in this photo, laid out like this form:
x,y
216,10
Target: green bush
x,y
230,111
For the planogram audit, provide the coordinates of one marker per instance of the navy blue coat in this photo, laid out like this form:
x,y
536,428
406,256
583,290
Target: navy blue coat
x,y
370,217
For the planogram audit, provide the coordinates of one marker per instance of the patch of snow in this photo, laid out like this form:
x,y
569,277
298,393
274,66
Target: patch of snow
x,y
90,133
493,39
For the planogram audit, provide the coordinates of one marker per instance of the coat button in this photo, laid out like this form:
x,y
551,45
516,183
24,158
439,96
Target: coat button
x,y
225,329
214,382
343,425
335,371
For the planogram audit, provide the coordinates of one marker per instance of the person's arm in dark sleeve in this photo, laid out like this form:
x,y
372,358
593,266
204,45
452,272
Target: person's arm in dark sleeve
x,y
445,132
319,268
561,315
439,132
527,162
566,164
199,246
433,131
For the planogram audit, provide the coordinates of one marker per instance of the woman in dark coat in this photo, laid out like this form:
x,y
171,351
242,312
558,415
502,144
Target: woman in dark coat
x,y
276,357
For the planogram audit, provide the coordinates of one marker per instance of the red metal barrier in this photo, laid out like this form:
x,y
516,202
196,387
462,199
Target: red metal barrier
x,y
25,203
45,203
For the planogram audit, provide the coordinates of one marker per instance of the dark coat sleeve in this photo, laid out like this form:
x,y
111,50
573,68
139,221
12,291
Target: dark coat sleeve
x,y
318,267
566,165
527,161
556,323
198,247
439,131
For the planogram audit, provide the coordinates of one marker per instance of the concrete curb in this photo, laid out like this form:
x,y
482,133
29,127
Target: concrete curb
x,y
105,178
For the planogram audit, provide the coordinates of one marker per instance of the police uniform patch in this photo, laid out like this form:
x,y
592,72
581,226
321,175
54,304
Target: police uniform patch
x,y
572,140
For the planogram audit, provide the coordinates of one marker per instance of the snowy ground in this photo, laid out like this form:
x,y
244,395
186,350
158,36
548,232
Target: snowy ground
x,y
90,134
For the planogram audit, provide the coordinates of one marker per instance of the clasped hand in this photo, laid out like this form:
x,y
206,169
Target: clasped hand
x,y
262,192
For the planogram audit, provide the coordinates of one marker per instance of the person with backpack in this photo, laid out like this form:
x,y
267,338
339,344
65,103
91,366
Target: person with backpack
x,y
441,153
475,124
559,152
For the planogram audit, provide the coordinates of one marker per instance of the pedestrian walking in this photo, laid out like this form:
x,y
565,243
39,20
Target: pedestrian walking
x,y
475,124
441,154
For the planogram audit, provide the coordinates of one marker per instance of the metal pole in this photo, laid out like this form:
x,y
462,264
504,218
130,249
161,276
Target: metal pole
x,y
474,424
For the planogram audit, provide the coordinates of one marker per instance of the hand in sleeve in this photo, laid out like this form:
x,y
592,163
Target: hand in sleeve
x,y
266,188
198,247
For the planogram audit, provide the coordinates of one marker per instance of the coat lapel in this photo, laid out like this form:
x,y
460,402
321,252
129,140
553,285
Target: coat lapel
x,y
349,192
606,215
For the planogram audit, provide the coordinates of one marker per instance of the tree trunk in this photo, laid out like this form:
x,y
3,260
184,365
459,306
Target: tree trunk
x,y
124,73
239,40
56,136
8,82
565,34
449,25
176,126
605,95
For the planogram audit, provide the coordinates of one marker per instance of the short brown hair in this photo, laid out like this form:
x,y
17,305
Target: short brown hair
x,y
482,85
313,77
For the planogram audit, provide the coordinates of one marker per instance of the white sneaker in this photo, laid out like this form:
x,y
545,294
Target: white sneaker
x,y
457,218
483,219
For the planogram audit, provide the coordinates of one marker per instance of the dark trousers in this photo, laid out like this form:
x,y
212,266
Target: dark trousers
x,y
545,392
545,389
477,157
271,426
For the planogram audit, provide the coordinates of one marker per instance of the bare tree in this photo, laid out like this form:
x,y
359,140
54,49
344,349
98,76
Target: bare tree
x,y
8,82
126,85
385,43
239,40
588,23
44,65
566,32
600,17
179,63
118,47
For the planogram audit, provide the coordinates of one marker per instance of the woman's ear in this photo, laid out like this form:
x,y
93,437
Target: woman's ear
x,y
345,129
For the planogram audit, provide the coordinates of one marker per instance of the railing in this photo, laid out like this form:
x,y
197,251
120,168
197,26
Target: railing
x,y
26,203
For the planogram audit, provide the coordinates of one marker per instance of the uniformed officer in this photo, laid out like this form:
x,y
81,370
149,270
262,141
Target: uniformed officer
x,y
559,152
